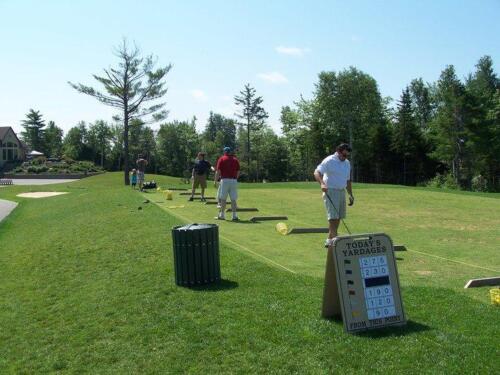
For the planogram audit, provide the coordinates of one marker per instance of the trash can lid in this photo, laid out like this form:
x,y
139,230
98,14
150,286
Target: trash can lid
x,y
195,226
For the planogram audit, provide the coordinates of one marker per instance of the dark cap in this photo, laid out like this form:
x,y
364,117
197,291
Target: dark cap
x,y
344,146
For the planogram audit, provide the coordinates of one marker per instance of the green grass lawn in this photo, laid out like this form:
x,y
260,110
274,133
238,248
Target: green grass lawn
x,y
86,284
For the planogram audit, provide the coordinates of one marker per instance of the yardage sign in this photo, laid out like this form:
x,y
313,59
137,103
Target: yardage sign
x,y
368,282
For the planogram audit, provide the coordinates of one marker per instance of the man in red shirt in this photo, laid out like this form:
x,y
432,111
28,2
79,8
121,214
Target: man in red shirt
x,y
228,169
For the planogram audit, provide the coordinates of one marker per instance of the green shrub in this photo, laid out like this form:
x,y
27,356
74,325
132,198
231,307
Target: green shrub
x,y
437,181
479,183
67,159
39,160
443,181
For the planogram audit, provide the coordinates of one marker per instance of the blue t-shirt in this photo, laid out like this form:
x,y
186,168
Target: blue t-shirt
x,y
201,166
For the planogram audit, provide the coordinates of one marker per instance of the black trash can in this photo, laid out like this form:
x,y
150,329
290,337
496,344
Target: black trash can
x,y
196,254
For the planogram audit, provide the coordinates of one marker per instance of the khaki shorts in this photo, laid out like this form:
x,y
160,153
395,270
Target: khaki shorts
x,y
338,209
200,180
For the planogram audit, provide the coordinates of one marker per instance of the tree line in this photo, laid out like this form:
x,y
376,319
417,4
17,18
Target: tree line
x,y
444,133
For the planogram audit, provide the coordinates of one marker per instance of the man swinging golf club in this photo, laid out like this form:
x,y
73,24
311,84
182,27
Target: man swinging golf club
x,y
334,177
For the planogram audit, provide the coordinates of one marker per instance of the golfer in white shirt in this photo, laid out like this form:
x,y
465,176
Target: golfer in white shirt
x,y
334,176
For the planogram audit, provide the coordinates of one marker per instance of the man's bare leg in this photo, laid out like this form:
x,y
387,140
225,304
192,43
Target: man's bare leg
x,y
333,226
193,189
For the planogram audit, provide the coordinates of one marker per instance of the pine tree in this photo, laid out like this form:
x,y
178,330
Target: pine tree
x,y
253,115
448,125
405,137
132,87
33,134
482,128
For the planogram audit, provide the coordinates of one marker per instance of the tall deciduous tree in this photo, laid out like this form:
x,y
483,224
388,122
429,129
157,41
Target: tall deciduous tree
x,y
178,144
297,125
99,135
132,87
33,134
347,105
53,140
75,144
219,132
253,115
421,103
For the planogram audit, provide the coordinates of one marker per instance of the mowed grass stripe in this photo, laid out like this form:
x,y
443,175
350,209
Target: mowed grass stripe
x,y
454,261
237,245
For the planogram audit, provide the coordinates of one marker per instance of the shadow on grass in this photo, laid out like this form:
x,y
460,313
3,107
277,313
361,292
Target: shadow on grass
x,y
410,328
243,222
224,284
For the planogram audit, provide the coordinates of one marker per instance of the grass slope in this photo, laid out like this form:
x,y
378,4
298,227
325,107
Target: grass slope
x,y
86,285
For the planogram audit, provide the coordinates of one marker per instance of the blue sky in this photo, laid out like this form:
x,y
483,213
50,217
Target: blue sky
x,y
216,47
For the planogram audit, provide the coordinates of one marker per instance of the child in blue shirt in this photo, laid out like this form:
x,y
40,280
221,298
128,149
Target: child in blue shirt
x,y
133,181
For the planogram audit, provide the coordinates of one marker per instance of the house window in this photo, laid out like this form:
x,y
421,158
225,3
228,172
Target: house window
x,y
9,151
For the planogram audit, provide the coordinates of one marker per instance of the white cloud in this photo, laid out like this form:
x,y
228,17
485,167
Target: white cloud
x,y
273,77
292,51
199,95
227,98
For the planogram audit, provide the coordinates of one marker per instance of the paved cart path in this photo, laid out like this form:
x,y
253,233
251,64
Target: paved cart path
x,y
41,181
6,208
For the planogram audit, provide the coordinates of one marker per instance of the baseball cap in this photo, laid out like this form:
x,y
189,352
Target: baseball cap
x,y
227,149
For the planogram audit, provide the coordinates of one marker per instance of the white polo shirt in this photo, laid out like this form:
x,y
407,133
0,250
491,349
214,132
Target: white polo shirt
x,y
335,172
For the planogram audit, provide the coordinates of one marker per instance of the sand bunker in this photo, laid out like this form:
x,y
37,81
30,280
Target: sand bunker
x,y
40,194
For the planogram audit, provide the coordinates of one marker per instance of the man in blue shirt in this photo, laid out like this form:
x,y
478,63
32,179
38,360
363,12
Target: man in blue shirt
x,y
199,175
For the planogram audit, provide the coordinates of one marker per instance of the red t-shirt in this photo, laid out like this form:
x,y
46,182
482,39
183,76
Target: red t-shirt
x,y
228,166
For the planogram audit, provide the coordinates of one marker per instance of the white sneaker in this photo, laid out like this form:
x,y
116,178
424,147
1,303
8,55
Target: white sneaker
x,y
329,242
219,217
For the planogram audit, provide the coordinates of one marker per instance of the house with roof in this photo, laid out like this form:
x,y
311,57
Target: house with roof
x,y
11,148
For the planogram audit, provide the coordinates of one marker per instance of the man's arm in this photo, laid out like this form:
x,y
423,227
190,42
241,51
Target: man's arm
x,y
318,176
349,191
216,177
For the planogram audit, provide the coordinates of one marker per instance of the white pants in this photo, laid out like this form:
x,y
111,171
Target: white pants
x,y
228,186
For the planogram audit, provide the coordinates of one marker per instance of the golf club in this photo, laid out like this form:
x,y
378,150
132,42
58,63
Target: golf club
x,y
335,208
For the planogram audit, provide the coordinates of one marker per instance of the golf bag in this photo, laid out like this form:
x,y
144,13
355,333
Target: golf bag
x,y
149,185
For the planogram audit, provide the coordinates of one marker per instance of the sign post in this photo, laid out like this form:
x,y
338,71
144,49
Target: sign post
x,y
362,283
